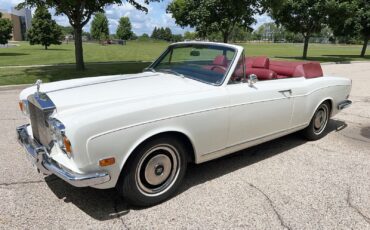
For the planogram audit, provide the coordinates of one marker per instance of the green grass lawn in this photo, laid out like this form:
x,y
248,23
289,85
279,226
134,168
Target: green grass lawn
x,y
133,58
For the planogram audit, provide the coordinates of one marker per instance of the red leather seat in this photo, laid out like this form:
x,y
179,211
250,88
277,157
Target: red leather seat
x,y
267,70
260,67
219,64
221,60
262,74
286,69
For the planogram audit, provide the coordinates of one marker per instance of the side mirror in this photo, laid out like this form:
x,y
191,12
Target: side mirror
x,y
252,79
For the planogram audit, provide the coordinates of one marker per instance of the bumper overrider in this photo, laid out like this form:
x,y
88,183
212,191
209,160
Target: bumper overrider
x,y
39,157
344,104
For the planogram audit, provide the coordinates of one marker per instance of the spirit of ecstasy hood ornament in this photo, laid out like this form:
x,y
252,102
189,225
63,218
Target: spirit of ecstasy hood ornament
x,y
38,83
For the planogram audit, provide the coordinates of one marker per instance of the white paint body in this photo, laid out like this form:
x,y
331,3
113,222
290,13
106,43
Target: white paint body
x,y
110,116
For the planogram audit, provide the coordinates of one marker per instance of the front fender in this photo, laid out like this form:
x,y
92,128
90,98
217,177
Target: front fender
x,y
122,143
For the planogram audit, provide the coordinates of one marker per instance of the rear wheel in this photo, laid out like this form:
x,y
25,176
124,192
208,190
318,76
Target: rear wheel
x,y
319,122
154,171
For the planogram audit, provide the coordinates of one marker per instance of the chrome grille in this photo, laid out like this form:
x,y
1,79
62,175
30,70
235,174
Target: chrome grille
x,y
40,108
39,125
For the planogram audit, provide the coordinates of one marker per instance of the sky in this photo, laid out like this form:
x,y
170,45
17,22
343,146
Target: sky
x,y
141,22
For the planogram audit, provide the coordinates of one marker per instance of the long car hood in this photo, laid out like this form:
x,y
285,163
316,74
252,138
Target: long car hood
x,y
79,93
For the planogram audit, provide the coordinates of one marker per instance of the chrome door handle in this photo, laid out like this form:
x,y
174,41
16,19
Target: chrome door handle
x,y
286,91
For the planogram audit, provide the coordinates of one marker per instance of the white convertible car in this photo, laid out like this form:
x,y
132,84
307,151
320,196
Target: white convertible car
x,y
198,101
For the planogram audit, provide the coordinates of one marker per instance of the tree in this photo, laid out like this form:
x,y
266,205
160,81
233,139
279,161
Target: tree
x,y
99,27
306,17
177,38
44,31
79,14
155,33
124,30
67,30
190,35
209,16
5,30
167,35
239,33
351,18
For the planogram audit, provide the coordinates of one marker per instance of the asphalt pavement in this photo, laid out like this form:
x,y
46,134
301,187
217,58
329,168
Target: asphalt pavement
x,y
287,183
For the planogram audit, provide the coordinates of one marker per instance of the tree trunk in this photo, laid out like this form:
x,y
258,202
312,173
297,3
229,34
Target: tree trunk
x,y
80,65
366,42
225,37
46,47
305,47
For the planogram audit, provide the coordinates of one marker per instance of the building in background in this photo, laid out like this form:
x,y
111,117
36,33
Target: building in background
x,y
21,20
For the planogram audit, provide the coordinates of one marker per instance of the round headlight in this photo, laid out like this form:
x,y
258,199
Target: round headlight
x,y
58,134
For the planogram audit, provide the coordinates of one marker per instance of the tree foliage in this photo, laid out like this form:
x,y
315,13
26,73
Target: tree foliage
x,y
306,17
162,34
67,30
210,16
5,30
190,35
99,27
351,18
44,31
79,13
124,30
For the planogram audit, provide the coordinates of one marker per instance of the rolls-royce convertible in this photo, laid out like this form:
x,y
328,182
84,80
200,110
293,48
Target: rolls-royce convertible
x,y
198,101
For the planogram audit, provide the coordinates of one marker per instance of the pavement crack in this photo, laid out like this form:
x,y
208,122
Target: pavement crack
x,y
118,214
324,149
281,220
353,138
354,207
27,182
356,115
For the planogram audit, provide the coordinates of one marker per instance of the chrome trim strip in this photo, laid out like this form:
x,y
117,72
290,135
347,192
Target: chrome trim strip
x,y
47,166
344,104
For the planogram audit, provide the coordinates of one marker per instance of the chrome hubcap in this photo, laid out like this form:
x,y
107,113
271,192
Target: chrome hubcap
x,y
158,170
321,119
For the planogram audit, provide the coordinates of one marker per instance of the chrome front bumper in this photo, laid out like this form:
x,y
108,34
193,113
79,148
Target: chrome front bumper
x,y
344,104
44,164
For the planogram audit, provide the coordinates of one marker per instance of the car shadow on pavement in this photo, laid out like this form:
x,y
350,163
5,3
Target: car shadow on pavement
x,y
108,204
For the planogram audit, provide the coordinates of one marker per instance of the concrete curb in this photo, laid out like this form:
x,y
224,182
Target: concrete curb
x,y
14,87
343,62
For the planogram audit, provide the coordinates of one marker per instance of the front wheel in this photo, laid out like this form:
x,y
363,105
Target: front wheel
x,y
154,172
319,122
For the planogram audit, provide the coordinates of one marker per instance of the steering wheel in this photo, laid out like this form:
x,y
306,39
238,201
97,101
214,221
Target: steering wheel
x,y
218,66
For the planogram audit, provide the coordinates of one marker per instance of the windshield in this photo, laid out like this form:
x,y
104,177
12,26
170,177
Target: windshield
x,y
201,62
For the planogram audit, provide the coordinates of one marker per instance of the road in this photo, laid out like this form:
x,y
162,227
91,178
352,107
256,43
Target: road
x,y
287,183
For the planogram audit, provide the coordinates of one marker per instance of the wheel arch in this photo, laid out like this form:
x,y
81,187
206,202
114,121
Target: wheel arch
x,y
327,99
180,135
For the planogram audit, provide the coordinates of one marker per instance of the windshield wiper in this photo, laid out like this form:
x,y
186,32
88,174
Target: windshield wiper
x,y
171,72
150,69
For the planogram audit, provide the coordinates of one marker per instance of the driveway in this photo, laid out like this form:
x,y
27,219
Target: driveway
x,y
286,183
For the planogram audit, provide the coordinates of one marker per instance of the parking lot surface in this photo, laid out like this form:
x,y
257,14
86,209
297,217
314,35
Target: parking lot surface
x,y
287,183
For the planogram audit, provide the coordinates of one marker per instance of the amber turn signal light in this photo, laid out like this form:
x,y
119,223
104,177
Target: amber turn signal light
x,y
21,106
107,162
67,145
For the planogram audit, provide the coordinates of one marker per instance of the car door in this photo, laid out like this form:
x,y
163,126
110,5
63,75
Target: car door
x,y
258,111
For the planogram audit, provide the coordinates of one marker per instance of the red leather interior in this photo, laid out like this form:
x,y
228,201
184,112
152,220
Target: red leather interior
x,y
266,69
261,62
220,60
262,74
